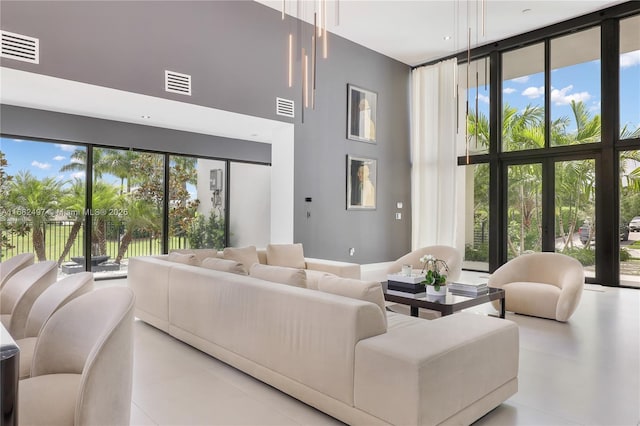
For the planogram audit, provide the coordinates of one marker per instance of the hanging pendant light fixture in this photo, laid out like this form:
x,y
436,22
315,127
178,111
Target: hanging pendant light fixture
x,y
480,15
318,35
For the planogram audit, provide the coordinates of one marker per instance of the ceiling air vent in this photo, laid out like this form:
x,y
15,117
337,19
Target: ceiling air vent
x,y
285,107
20,47
175,82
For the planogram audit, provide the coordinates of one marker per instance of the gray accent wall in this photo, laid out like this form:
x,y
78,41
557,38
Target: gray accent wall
x,y
235,52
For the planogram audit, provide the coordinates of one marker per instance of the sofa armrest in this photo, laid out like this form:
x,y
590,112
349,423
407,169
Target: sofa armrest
x,y
429,371
148,277
341,269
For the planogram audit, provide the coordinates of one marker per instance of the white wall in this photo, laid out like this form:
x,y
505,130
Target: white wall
x,y
250,205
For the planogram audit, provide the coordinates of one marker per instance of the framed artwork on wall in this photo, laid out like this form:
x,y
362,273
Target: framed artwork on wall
x,y
361,183
362,106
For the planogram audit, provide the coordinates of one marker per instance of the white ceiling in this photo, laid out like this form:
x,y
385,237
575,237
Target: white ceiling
x,y
413,32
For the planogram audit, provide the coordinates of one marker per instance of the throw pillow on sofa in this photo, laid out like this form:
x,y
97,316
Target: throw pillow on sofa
x,y
279,274
201,254
187,259
224,265
245,255
370,291
289,255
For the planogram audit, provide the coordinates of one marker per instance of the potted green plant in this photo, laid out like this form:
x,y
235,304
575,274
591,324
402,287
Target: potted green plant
x,y
435,272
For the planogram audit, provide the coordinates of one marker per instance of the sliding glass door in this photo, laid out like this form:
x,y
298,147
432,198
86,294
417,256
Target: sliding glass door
x,y
551,205
629,222
575,211
42,200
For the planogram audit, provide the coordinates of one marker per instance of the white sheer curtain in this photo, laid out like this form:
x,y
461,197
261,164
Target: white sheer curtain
x,y
433,155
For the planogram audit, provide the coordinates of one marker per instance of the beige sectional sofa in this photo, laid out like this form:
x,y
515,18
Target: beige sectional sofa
x,y
334,347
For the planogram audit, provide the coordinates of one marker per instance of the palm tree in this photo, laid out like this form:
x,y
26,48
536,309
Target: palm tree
x,y
5,226
522,130
575,180
121,164
74,203
105,198
525,130
38,200
574,197
141,216
79,162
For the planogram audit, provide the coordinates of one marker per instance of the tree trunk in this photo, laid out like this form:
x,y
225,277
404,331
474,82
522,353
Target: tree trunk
x,y
73,234
38,243
124,246
522,220
100,238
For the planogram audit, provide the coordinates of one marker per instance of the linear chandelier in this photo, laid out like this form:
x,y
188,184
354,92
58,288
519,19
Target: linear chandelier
x,y
317,9
480,15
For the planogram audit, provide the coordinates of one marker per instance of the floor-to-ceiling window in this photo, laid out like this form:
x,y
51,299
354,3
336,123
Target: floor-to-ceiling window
x,y
476,176
42,200
197,203
126,207
629,153
61,201
553,159
575,212
629,218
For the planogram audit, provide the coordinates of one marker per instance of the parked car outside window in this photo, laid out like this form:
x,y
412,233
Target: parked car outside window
x,y
623,232
634,225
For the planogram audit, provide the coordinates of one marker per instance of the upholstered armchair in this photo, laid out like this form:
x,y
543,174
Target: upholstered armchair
x,y
21,291
449,254
547,285
53,298
13,265
81,372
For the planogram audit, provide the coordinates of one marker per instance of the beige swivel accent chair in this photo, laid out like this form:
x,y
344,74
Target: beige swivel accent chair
x,y
81,372
546,285
21,291
10,266
53,298
449,254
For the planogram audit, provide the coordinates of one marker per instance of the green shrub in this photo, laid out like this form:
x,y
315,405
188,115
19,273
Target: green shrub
x,y
585,256
207,233
477,253
624,255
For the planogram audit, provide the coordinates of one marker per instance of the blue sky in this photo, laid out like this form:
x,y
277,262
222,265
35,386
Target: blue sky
x,y
579,82
40,158
44,159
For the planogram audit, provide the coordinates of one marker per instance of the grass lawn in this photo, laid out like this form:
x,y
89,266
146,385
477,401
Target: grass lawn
x,y
57,235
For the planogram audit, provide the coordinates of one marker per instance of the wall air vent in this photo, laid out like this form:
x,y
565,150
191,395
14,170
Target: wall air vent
x,y
285,107
175,82
20,47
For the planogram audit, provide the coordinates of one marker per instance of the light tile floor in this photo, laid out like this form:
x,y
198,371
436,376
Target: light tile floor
x,y
584,372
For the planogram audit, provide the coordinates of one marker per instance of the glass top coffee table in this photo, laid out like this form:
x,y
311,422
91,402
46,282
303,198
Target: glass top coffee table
x,y
446,305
